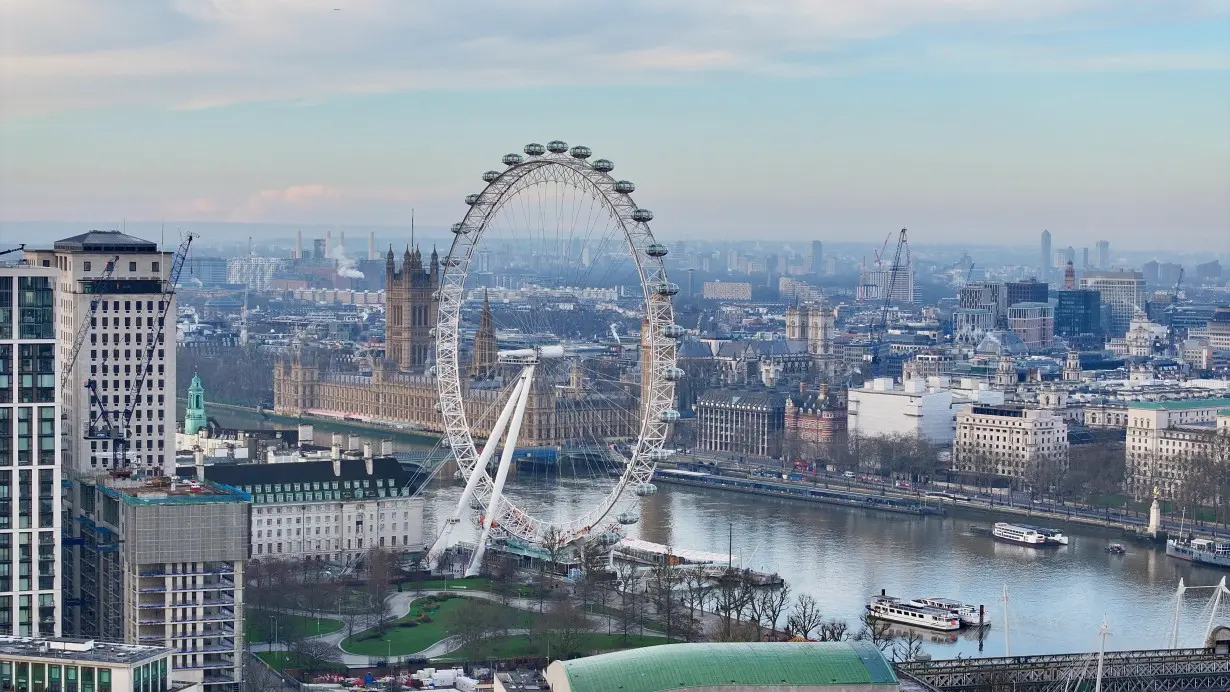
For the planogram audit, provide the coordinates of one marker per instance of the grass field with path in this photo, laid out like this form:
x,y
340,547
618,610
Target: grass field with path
x,y
257,627
399,641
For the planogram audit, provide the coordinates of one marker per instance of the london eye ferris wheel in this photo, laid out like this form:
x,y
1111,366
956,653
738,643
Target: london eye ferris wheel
x,y
570,260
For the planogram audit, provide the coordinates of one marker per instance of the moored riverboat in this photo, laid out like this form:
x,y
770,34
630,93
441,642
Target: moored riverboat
x,y
906,612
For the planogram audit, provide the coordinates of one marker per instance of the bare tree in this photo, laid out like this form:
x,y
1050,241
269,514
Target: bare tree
x,y
628,597
314,655
771,605
696,590
663,590
907,647
731,599
833,631
875,631
565,626
378,588
471,622
805,617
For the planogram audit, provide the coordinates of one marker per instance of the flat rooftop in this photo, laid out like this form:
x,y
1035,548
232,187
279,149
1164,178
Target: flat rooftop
x,y
163,490
80,650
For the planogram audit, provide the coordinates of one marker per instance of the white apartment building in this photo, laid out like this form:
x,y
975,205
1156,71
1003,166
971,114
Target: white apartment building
x,y
330,510
726,290
873,284
913,408
1009,440
30,491
131,303
256,272
1122,291
1163,436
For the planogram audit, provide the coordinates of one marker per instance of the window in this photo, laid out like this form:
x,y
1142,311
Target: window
x,y
156,267
86,265
132,266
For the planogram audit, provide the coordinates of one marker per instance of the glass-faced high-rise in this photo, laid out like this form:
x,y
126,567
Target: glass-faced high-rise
x,y
29,454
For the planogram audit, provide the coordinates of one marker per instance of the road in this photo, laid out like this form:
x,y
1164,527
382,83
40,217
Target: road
x,y
1017,504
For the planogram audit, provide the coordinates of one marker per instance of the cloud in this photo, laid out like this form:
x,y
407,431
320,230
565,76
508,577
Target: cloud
x,y
74,54
312,202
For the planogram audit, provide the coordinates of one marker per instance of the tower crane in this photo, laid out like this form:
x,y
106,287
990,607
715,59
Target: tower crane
x,y
891,283
19,248
84,328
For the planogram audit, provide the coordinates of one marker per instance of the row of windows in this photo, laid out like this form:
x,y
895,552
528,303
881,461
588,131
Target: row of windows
x,y
154,267
277,548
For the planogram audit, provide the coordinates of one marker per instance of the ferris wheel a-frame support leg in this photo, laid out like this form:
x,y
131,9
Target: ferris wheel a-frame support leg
x,y
501,475
480,470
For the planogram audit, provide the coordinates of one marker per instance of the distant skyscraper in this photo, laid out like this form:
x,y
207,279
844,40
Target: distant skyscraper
x,y
1103,254
1085,258
1123,292
1045,268
816,261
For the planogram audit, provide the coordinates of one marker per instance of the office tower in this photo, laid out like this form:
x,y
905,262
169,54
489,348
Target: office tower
x,y
1085,259
30,457
691,283
1150,272
1078,312
131,306
1103,255
816,259
1028,291
1122,292
1045,267
1034,323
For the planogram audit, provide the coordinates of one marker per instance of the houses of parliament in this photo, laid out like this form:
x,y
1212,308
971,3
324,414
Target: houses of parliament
x,y
401,390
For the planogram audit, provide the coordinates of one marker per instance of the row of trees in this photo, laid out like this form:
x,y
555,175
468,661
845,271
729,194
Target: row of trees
x,y
1200,477
680,603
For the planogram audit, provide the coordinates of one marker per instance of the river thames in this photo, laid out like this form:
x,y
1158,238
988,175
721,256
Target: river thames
x,y
1057,597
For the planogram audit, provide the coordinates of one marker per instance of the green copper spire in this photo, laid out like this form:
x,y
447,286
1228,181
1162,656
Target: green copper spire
x,y
194,417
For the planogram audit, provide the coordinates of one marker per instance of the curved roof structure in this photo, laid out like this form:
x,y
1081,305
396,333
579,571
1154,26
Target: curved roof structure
x,y
852,665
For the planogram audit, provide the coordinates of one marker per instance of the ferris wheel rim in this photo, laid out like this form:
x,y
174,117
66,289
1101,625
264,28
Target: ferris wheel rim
x,y
653,419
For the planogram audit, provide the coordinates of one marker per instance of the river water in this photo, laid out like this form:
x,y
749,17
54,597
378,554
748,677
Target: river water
x,y
1057,597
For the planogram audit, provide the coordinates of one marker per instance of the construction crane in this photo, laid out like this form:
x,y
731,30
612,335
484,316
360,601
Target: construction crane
x,y
19,248
115,425
84,328
877,333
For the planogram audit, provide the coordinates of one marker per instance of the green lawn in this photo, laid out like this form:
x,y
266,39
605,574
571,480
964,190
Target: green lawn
x,y
398,641
466,584
257,627
281,660
523,646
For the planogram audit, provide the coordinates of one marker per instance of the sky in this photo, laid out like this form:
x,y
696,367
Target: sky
x,y
964,120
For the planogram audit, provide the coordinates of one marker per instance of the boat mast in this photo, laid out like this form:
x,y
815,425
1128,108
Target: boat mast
x,y
1007,637
1178,610
1103,631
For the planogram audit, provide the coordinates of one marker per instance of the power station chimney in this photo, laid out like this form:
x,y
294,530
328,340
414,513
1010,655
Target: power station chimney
x,y
298,244
328,244
342,239
371,246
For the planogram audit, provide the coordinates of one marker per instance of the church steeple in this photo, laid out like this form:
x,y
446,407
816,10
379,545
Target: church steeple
x,y
194,416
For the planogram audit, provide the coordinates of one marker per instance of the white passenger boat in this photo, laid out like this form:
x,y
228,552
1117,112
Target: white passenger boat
x,y
897,610
1021,535
968,614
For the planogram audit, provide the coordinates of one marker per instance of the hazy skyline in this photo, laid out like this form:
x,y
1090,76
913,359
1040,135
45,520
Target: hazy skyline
x,y
961,119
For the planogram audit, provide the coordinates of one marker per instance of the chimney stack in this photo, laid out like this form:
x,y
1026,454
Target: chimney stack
x,y
342,239
198,456
386,448
337,440
336,454
371,246
305,434
367,458
328,244
353,443
298,244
